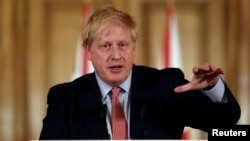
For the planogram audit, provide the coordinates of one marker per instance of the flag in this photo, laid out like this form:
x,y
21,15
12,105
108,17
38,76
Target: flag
x,y
171,50
82,64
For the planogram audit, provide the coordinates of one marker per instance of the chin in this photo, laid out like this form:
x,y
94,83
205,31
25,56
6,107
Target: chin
x,y
116,81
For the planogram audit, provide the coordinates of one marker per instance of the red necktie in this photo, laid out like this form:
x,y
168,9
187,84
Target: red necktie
x,y
119,126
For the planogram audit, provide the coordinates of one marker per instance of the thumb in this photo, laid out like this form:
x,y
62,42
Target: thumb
x,y
182,88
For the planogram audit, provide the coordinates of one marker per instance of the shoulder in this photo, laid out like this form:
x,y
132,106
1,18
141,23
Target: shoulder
x,y
151,71
72,87
148,75
82,80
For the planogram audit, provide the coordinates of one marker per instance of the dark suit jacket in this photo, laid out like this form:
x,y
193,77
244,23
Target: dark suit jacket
x,y
75,110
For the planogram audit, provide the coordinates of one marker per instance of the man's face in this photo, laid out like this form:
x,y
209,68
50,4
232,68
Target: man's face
x,y
112,54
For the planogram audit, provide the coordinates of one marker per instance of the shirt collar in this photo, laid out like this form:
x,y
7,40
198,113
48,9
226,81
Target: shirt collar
x,y
105,88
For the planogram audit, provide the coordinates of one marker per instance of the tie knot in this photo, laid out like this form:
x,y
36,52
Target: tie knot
x,y
116,91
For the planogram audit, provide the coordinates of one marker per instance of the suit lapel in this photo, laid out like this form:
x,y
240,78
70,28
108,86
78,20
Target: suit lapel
x,y
140,97
92,108
138,116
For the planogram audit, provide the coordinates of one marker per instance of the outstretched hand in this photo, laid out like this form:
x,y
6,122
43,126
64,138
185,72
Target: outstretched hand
x,y
204,76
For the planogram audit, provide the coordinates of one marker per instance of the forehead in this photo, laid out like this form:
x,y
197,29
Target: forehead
x,y
115,31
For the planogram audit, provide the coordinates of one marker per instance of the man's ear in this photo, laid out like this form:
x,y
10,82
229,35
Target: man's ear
x,y
87,48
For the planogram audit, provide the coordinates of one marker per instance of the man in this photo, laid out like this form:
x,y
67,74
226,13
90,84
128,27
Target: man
x,y
157,104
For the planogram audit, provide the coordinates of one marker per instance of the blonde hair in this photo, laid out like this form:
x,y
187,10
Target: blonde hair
x,y
104,17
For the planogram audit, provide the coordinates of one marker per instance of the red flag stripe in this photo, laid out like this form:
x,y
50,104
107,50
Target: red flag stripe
x,y
171,51
167,41
171,56
82,64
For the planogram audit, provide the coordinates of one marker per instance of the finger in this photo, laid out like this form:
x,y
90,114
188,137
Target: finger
x,y
182,88
197,70
205,67
216,70
219,71
208,69
200,71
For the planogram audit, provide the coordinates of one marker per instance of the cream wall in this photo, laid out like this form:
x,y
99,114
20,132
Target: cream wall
x,y
38,41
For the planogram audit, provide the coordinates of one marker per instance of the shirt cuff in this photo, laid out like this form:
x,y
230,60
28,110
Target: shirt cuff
x,y
217,92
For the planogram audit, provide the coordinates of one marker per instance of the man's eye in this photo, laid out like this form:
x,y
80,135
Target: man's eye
x,y
123,45
106,45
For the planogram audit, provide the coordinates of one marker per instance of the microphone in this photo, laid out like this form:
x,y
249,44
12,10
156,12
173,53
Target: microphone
x,y
103,111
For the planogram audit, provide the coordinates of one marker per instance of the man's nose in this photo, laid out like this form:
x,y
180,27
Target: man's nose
x,y
115,52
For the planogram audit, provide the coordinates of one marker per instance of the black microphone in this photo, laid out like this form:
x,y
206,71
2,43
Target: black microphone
x,y
103,127
103,111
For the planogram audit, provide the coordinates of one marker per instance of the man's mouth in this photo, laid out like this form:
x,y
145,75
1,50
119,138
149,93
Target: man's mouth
x,y
115,68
